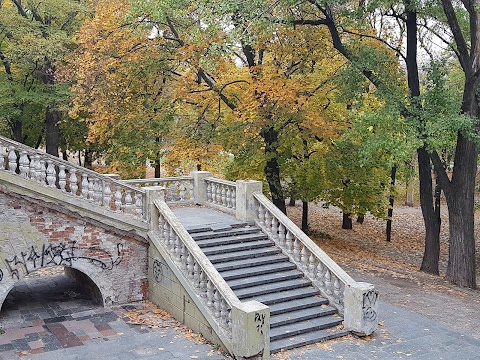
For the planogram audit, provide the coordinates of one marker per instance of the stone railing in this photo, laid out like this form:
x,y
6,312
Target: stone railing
x,y
232,320
221,193
178,189
50,171
356,301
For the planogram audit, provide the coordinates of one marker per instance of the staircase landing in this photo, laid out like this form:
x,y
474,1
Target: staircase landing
x,y
255,269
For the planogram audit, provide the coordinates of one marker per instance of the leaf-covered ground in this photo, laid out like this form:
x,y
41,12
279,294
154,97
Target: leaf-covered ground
x,y
393,267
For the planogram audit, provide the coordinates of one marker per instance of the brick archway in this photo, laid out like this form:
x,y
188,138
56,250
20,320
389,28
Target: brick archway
x,y
36,235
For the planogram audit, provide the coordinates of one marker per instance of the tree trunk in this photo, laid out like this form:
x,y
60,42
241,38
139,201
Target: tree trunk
x,y
157,167
461,269
410,187
391,202
431,218
52,135
88,160
17,131
291,202
347,222
360,219
272,167
305,226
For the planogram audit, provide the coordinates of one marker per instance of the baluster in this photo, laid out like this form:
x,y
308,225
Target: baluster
x,y
51,174
268,222
171,243
190,190
177,249
336,289
182,191
118,198
128,201
281,235
23,164
161,226
84,192
209,191
2,159
229,321
209,293
320,270
73,181
12,159
216,304
139,204
196,275
218,189
224,313
304,258
327,279
261,215
166,234
214,193
98,191
203,284
228,197
41,172
223,195
311,266
62,177
183,255
234,198
190,265
107,194
296,250
32,171
289,242
275,228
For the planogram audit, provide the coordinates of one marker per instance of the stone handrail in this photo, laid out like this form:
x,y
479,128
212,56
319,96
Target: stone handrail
x,y
355,300
53,172
221,193
179,189
236,323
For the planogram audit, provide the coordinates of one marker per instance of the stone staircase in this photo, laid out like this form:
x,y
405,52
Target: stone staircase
x,y
255,269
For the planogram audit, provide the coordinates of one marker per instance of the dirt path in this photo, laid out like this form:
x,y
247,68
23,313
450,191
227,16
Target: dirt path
x,y
393,267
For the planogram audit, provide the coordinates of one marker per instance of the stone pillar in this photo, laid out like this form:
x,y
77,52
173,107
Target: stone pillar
x,y
244,202
251,331
361,308
152,193
200,186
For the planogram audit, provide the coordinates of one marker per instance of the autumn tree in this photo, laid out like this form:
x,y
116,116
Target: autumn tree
x,y
35,36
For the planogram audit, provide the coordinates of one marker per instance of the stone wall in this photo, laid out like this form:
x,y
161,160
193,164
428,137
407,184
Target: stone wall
x,y
167,292
35,234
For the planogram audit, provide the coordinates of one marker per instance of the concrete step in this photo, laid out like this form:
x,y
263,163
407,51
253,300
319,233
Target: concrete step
x,y
205,243
278,297
224,233
275,288
301,315
242,272
246,254
264,279
302,327
234,248
235,264
297,304
306,339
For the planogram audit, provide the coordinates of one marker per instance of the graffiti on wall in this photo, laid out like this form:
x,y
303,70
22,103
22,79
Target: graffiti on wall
x,y
61,254
370,306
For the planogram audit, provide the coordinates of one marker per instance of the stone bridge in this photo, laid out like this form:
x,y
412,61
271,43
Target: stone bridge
x,y
216,254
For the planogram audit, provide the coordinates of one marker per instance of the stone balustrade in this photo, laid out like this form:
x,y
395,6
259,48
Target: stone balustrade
x,y
50,171
178,189
222,193
356,301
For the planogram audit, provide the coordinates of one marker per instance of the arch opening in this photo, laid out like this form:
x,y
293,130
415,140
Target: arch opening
x,y
48,293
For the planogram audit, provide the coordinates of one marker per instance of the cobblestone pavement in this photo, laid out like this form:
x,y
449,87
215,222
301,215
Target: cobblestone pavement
x,y
50,317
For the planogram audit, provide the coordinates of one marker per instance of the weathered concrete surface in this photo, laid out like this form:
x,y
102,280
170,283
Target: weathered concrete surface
x,y
37,234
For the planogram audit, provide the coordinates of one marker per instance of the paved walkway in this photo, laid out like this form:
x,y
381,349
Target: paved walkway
x,y
50,318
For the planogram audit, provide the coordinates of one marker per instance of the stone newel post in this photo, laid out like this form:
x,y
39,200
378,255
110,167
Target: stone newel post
x,y
361,308
244,202
200,186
